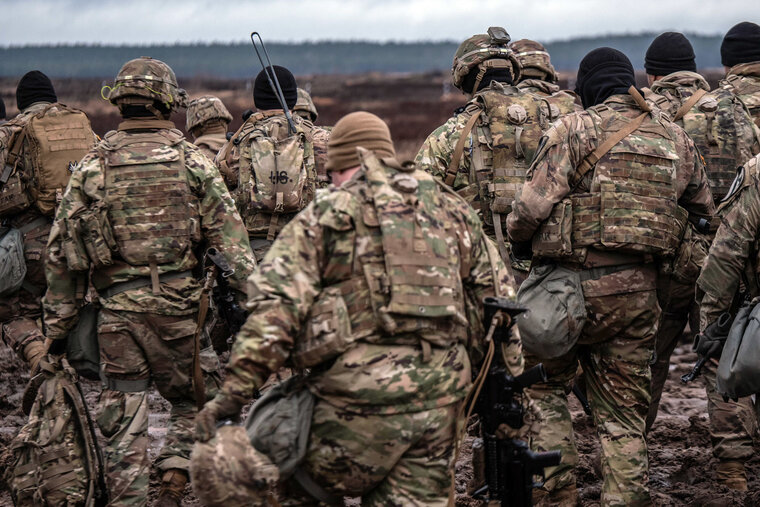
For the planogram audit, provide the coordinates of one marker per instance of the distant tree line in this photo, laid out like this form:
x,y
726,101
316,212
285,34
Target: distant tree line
x,y
329,57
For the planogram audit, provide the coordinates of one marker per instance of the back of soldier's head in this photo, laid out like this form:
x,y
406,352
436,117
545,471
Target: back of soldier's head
x,y
741,44
669,52
357,130
34,87
483,58
204,112
602,73
534,60
146,87
265,97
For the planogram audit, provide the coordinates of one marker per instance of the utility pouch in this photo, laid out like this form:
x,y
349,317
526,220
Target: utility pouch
x,y
13,195
690,256
328,330
12,262
557,311
73,246
554,236
97,235
279,173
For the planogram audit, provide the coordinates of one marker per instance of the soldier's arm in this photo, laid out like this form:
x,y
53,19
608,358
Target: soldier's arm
x,y
560,151
729,253
220,222
692,184
61,301
436,152
228,171
280,292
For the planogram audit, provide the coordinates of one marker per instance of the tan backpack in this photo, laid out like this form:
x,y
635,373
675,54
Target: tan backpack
x,y
53,141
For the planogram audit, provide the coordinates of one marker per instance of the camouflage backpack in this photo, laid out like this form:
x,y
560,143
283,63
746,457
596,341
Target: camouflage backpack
x,y
277,173
55,456
746,87
42,154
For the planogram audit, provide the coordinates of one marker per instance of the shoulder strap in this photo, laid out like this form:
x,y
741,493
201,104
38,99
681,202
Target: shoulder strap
x,y
590,161
225,156
451,172
686,106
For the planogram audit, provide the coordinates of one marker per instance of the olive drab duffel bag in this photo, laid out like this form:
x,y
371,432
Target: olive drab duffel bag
x,y
739,368
55,456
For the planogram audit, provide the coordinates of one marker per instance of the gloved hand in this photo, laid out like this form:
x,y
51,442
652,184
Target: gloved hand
x,y
522,250
709,343
222,406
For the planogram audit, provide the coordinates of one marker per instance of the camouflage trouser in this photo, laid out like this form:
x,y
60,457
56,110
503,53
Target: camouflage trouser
x,y
733,424
136,348
388,460
614,352
677,301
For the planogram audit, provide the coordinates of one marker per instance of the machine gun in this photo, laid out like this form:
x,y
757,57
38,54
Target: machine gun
x,y
222,293
509,464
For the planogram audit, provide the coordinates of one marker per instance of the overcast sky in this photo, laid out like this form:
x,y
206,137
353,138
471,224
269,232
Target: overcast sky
x,y
156,21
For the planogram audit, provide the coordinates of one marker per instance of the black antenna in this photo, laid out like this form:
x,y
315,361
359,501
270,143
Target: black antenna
x,y
276,84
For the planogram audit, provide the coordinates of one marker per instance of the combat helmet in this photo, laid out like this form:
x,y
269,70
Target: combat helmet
x,y
484,51
227,471
534,60
146,78
204,109
305,106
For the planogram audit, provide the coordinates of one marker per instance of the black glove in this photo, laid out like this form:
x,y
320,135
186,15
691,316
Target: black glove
x,y
522,250
710,342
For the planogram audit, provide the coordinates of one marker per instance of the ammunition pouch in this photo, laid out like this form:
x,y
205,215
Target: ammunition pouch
x,y
685,265
327,331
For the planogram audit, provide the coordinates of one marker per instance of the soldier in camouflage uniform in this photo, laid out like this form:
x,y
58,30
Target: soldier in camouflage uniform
x,y
207,122
733,258
539,77
145,198
306,109
657,161
21,312
394,366
272,183
740,55
722,129
483,151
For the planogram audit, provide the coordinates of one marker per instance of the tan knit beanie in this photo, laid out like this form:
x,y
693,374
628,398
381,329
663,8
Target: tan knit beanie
x,y
359,129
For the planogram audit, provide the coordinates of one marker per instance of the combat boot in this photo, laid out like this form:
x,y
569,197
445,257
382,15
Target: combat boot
x,y
731,473
563,497
172,488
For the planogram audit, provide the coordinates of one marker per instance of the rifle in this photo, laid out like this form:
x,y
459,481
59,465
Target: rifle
x,y
222,293
509,464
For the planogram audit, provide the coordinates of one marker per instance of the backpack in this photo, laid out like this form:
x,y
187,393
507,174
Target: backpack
x,y
55,456
12,262
54,140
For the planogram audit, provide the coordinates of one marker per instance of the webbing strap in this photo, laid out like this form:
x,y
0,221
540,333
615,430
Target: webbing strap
x,y
596,273
451,172
502,253
126,386
143,281
686,106
590,161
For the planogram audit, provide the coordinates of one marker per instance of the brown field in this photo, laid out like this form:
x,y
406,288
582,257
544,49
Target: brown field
x,y
681,463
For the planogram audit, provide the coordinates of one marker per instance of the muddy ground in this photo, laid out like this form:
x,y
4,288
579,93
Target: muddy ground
x,y
681,462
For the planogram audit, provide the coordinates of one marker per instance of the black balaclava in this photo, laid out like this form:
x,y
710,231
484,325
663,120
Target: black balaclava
x,y
140,111
602,73
741,44
265,98
2,109
669,52
499,74
34,87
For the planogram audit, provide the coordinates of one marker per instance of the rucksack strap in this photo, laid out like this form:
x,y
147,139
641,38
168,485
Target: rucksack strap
x,y
686,106
451,172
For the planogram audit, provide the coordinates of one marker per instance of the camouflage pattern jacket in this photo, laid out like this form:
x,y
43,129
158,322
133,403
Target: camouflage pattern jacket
x,y
220,226
229,163
718,122
735,252
320,269
566,145
744,81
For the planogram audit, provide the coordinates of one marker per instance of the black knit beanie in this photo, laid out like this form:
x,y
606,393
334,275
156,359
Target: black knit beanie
x,y
602,73
266,98
741,44
494,74
34,87
669,52
2,109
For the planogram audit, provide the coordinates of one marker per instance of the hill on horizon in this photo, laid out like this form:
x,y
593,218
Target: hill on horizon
x,y
237,60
